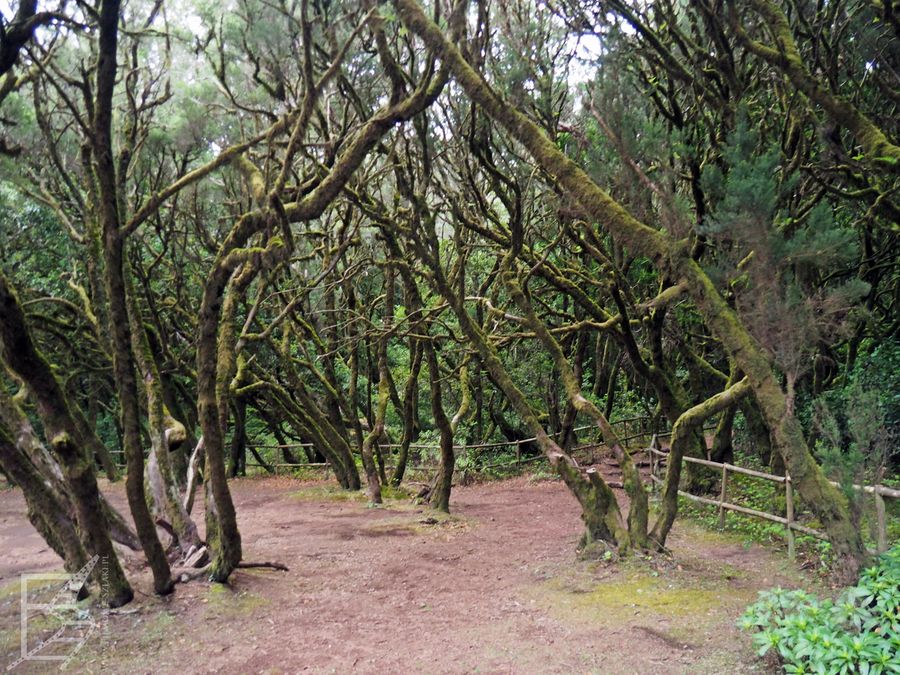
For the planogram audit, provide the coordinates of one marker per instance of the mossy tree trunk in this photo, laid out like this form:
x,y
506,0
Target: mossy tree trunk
x,y
410,401
684,428
317,426
19,425
722,449
275,216
114,259
165,434
877,149
20,354
439,498
569,437
600,510
639,507
372,475
674,259
49,516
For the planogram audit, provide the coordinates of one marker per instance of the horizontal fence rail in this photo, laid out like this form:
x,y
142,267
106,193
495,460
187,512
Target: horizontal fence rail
x,y
788,520
645,427
640,427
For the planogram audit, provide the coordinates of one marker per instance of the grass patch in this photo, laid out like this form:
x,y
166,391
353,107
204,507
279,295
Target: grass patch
x,y
639,597
157,628
224,603
12,589
421,522
329,493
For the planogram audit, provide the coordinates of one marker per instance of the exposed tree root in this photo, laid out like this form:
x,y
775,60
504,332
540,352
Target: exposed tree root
x,y
185,574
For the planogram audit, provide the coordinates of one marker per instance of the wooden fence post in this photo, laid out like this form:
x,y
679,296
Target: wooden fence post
x,y
882,521
789,512
722,495
518,456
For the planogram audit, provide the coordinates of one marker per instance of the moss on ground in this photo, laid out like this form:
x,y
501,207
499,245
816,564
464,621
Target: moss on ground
x,y
628,597
418,521
156,629
13,588
224,603
328,493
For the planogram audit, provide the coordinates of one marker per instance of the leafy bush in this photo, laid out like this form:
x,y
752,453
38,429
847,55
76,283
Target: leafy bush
x,y
857,633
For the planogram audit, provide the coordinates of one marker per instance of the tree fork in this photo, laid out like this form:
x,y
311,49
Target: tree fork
x,y
673,256
684,428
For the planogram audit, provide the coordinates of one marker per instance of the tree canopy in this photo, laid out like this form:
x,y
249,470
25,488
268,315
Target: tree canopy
x,y
361,225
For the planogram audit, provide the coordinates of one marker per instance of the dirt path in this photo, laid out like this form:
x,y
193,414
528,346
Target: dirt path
x,y
494,589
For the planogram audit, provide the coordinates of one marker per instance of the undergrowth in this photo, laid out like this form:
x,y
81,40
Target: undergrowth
x,y
768,496
857,633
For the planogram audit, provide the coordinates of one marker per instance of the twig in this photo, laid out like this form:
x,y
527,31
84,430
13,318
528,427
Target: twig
x,y
271,565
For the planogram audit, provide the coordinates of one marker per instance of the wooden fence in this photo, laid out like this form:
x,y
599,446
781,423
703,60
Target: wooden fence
x,y
631,428
635,428
789,519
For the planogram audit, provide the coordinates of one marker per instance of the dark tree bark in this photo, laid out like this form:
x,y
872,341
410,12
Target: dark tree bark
x,y
239,439
49,516
674,260
440,493
113,250
18,351
410,421
16,34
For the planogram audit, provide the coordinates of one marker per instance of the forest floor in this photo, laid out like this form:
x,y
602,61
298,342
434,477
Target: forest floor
x,y
495,588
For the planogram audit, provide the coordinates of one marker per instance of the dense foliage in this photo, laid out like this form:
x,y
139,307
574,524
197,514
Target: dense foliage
x,y
859,632
346,229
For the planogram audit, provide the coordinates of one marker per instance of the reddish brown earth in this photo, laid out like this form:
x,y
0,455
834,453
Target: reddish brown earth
x,y
497,588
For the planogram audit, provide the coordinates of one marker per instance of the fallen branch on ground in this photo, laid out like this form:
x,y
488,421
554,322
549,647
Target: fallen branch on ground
x,y
185,575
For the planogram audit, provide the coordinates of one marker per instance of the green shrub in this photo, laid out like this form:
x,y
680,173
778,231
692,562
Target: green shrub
x,y
857,633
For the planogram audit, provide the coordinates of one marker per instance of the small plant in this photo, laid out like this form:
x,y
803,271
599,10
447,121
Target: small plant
x,y
542,473
857,633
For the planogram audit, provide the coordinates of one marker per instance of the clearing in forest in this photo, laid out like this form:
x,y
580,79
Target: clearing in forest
x,y
495,588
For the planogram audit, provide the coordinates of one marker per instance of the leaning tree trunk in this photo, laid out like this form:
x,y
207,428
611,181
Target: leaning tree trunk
x,y
222,534
684,428
328,440
165,433
22,357
671,256
569,437
49,516
27,441
634,487
599,509
94,445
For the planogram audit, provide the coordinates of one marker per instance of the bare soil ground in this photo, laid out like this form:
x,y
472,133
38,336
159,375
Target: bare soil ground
x,y
495,588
